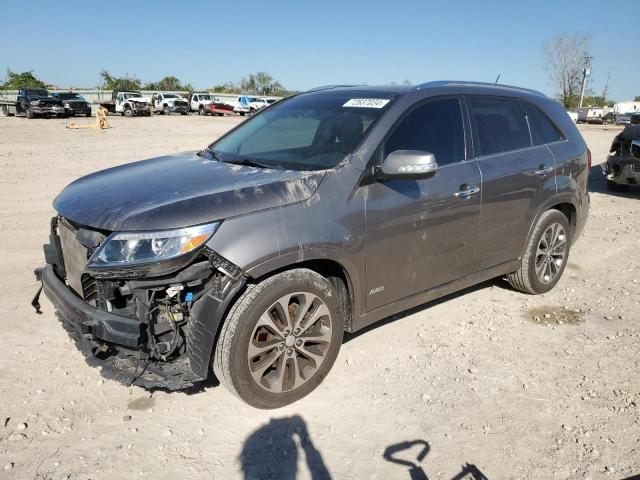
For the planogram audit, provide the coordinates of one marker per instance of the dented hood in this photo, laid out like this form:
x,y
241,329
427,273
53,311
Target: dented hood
x,y
178,191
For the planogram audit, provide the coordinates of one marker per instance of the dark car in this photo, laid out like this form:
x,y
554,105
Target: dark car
x,y
74,103
622,168
36,102
323,213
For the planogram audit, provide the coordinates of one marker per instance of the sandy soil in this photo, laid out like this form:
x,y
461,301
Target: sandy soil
x,y
467,386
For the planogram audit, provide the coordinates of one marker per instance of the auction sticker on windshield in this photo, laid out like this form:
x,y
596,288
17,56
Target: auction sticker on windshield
x,y
366,102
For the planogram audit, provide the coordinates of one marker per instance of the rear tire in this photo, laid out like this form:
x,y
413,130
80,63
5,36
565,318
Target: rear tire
x,y
259,356
616,187
545,257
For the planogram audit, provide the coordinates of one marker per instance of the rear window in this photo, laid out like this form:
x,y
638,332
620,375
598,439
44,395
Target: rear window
x,y
500,125
542,128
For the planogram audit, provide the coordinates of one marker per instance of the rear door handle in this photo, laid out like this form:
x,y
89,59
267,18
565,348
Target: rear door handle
x,y
542,171
467,192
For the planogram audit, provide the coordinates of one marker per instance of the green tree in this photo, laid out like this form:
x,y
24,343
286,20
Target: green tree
x,y
16,81
596,101
168,83
128,82
637,99
228,87
261,83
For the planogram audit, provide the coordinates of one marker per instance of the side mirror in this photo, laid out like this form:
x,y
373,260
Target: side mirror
x,y
635,149
407,164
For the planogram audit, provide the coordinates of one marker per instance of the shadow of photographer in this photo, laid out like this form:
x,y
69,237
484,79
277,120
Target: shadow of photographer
x,y
272,451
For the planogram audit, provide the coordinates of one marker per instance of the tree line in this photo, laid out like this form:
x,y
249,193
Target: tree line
x,y
260,83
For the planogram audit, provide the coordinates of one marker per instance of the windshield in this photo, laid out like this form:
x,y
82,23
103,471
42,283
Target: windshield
x,y
204,97
36,93
169,95
131,95
308,132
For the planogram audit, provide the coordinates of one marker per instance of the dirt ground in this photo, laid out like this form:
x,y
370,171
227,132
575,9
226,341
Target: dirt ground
x,y
485,383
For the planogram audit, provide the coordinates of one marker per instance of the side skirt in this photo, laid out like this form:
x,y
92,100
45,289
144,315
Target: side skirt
x,y
398,306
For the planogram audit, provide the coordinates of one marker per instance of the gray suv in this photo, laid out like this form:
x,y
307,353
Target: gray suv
x,y
323,213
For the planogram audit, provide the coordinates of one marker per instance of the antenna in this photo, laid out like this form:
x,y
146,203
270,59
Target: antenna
x,y
497,78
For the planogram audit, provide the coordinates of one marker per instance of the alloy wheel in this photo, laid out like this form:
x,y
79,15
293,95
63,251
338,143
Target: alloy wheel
x,y
551,253
289,342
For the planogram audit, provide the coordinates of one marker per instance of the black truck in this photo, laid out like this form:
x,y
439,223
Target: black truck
x,y
33,102
74,103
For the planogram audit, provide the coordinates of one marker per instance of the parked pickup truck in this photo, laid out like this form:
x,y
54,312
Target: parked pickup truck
x,y
129,104
167,103
33,102
216,107
74,103
198,102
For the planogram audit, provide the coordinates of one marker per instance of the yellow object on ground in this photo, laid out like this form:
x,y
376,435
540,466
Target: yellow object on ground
x,y
101,120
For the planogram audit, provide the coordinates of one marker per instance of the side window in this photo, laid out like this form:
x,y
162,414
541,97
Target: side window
x,y
500,125
542,129
434,127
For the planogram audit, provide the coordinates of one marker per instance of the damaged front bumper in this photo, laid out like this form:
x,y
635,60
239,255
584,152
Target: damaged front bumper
x,y
623,170
132,328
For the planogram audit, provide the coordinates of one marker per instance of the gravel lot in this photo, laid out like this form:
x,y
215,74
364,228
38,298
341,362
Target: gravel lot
x,y
471,384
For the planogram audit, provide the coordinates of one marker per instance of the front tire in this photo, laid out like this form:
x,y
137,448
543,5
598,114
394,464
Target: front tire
x,y
166,110
280,339
30,113
128,112
546,255
616,187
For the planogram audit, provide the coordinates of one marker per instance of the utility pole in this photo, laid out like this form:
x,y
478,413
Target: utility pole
x,y
606,89
586,71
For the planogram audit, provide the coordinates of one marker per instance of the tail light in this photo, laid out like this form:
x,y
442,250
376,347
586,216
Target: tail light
x,y
589,158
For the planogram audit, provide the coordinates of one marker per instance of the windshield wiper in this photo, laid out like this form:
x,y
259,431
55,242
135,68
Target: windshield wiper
x,y
251,163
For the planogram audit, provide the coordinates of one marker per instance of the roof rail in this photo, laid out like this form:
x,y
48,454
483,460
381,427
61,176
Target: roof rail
x,y
328,87
446,83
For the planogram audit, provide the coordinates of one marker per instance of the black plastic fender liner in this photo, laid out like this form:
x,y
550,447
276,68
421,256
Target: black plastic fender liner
x,y
206,315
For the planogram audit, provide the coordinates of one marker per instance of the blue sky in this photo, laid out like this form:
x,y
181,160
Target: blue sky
x,y
306,44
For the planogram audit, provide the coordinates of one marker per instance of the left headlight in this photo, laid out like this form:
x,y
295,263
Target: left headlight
x,y
134,248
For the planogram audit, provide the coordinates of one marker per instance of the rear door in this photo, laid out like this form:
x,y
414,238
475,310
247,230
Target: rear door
x,y
517,176
422,233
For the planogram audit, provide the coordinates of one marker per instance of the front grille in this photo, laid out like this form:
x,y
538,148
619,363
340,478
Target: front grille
x,y
89,289
635,168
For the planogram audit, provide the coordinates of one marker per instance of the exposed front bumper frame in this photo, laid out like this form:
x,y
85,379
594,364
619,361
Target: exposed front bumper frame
x,y
96,332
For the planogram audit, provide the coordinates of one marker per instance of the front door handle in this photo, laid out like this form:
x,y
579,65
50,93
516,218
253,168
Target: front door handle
x,y
542,171
467,192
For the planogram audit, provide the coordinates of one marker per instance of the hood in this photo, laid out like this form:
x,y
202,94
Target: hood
x,y
178,191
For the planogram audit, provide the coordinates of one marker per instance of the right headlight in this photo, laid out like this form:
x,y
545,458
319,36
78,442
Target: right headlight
x,y
126,249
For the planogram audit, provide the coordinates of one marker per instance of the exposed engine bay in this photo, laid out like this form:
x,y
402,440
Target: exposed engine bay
x,y
149,327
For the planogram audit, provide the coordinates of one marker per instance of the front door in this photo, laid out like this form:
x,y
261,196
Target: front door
x,y
421,233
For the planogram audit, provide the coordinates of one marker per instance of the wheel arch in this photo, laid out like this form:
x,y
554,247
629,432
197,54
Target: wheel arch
x,y
333,270
565,205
